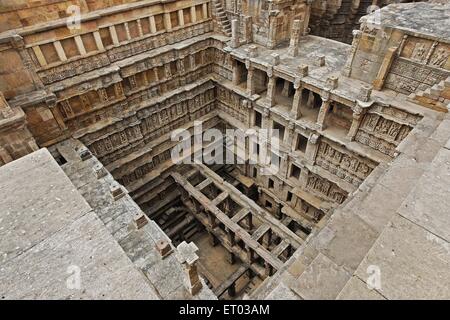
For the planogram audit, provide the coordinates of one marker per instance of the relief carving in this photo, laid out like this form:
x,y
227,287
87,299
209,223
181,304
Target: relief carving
x,y
419,52
440,57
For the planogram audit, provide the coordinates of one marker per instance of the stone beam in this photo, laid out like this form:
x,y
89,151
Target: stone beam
x,y
223,218
254,208
230,281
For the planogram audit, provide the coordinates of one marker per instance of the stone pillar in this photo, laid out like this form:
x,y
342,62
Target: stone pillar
x,y
311,148
60,51
271,87
213,240
181,17
231,258
167,71
250,81
118,90
152,24
192,62
236,73
363,102
274,59
235,33
127,30
248,29
296,103
98,41
296,32
212,220
167,22
307,17
186,255
265,121
5,109
230,237
80,45
289,136
268,269
323,112
278,213
139,25
250,254
40,56
205,11
113,34
252,51
364,94
347,70
267,238
285,91
232,290
356,122
249,220
51,103
5,157
18,43
272,36
303,180
310,101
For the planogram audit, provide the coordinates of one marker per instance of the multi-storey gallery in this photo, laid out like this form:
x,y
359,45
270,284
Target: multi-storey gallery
x,y
345,196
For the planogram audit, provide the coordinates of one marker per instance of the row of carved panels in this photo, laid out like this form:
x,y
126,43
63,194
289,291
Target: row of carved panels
x,y
103,111
357,167
384,129
177,98
375,143
325,188
148,125
203,49
147,167
174,81
385,134
124,150
89,99
160,119
242,116
400,115
427,52
406,76
103,59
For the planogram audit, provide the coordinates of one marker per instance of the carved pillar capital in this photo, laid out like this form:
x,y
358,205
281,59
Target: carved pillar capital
x,y
298,83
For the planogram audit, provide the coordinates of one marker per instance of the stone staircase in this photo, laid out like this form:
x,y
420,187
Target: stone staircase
x,y
221,17
436,97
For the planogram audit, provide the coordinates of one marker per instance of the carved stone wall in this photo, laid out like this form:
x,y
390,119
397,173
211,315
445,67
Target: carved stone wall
x,y
325,188
421,64
383,128
340,162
